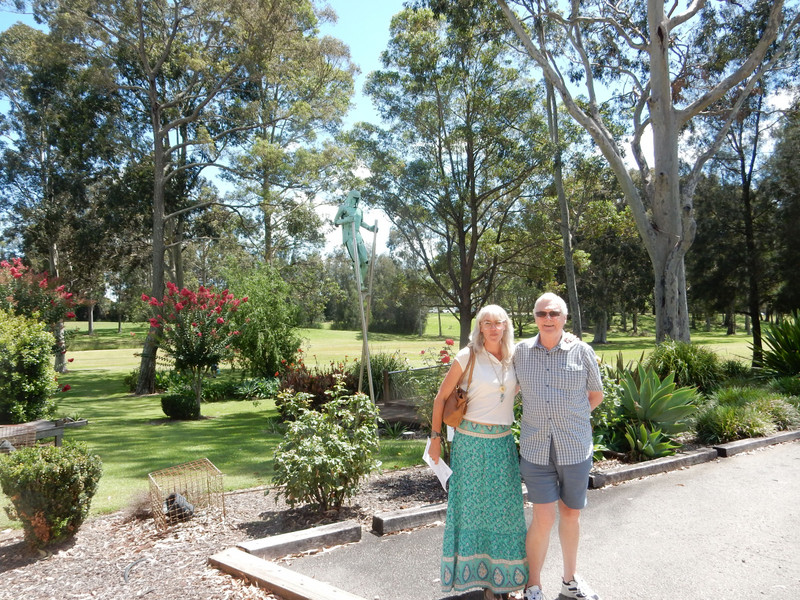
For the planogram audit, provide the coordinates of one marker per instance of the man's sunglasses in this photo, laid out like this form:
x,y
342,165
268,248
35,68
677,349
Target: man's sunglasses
x,y
553,314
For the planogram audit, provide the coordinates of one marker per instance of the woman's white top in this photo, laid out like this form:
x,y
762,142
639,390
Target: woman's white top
x,y
485,402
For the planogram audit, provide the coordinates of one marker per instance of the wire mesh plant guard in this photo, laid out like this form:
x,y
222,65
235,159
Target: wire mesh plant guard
x,y
186,491
16,436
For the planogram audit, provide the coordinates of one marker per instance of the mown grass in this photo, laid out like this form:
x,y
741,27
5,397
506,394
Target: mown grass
x,y
133,438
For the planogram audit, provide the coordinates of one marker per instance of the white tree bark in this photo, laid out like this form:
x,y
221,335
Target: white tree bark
x,y
664,213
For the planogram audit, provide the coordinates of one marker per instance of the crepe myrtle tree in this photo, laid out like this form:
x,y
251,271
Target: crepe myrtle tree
x,y
195,329
38,296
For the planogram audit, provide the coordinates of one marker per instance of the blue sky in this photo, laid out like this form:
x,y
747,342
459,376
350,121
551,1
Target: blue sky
x,y
364,26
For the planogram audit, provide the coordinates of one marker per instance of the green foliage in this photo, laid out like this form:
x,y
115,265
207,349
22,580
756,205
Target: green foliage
x,y
689,364
781,356
268,339
179,402
732,369
219,389
646,445
36,296
196,329
164,379
258,388
395,431
717,424
325,454
380,363
50,488
27,377
789,386
659,405
780,411
316,381
620,368
608,419
737,412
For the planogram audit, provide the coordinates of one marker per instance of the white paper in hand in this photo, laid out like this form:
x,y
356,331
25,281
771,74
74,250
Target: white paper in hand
x,y
441,469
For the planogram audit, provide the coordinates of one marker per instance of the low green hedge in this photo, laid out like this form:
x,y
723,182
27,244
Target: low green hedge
x,y
50,488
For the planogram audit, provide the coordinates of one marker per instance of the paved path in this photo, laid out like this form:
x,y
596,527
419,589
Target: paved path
x,y
724,530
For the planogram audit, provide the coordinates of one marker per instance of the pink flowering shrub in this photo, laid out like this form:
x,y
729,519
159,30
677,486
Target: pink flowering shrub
x,y
195,329
37,296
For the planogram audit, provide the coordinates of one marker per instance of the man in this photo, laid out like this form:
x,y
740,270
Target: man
x,y
560,385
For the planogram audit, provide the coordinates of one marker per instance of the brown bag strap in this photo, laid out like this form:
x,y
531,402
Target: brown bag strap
x,y
471,364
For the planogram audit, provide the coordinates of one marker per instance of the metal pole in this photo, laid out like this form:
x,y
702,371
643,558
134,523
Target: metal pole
x,y
369,303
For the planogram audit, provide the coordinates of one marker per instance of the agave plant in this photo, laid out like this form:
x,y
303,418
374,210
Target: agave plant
x,y
781,357
657,404
645,444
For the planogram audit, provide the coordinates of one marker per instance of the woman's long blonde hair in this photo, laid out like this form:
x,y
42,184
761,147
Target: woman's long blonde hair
x,y
493,312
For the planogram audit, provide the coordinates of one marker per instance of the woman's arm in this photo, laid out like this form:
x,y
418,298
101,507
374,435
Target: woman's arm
x,y
449,383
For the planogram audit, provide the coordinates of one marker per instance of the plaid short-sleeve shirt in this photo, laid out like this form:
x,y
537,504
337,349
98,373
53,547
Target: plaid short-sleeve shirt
x,y
555,386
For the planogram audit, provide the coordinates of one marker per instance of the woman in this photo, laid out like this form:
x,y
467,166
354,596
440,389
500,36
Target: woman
x,y
484,536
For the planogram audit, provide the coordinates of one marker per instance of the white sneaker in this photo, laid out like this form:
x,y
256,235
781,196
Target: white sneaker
x,y
533,593
577,588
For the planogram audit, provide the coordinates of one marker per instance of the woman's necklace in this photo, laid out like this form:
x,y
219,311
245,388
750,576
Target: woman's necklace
x,y
501,378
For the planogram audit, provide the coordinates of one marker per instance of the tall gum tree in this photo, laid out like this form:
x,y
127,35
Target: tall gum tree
x,y
59,141
452,170
183,64
645,52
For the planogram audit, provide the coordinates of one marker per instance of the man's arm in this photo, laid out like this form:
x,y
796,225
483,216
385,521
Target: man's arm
x,y
595,398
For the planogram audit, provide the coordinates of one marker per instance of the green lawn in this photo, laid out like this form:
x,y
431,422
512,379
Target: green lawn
x,y
133,437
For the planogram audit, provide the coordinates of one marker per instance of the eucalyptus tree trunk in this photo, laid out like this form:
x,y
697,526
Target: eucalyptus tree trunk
x,y
563,205
147,366
663,211
60,362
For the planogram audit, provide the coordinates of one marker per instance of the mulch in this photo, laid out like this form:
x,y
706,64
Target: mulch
x,y
123,555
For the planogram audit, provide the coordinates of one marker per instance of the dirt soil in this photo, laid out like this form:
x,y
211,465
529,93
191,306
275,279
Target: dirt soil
x,y
122,556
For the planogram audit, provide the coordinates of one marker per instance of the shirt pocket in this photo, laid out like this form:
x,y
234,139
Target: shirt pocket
x,y
572,377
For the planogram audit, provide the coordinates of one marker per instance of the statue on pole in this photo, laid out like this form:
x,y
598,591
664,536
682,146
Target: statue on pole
x,y
350,217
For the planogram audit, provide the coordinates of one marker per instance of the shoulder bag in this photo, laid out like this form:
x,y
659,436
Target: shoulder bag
x,y
455,405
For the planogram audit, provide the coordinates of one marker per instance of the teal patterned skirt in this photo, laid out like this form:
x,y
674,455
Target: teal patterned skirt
x,y
484,535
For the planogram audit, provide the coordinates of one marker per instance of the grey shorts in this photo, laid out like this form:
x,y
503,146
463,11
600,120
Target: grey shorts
x,y
549,483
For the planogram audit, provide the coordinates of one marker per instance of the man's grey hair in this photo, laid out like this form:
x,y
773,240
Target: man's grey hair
x,y
548,297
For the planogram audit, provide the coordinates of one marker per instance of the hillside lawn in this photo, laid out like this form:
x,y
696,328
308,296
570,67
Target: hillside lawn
x,y
133,437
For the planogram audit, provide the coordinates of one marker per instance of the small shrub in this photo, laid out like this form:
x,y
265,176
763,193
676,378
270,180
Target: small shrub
x,y
325,454
689,364
317,381
732,369
660,405
258,388
50,489
217,390
395,431
788,386
736,395
179,402
721,423
27,378
608,419
782,413
379,363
